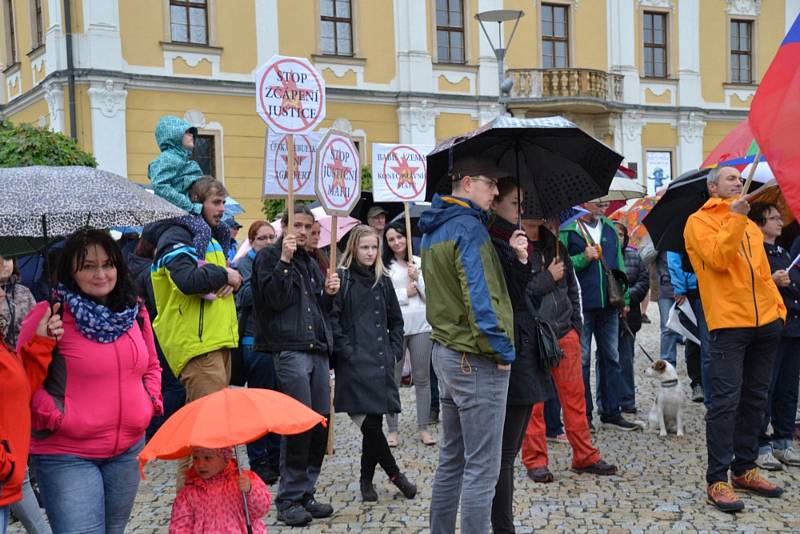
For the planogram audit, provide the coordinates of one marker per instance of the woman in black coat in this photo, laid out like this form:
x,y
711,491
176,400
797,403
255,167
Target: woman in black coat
x,y
368,340
529,383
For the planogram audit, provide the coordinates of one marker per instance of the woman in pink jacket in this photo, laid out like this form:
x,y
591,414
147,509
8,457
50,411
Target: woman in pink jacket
x,y
102,389
211,501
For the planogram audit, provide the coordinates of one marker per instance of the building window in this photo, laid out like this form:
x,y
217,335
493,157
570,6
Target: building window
x,y
205,154
336,25
741,51
655,45
11,40
555,36
450,31
189,21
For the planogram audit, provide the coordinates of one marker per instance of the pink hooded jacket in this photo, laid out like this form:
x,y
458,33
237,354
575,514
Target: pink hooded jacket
x,y
215,506
99,397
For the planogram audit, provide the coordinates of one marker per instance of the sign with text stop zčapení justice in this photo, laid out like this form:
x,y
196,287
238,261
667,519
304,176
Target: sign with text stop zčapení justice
x,y
290,95
338,183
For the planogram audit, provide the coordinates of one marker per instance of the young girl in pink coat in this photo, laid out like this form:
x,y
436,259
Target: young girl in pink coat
x,y
210,501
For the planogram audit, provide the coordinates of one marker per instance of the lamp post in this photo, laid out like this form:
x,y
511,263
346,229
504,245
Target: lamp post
x,y
500,16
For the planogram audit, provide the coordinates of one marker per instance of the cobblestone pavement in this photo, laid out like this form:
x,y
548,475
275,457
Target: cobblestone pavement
x,y
659,488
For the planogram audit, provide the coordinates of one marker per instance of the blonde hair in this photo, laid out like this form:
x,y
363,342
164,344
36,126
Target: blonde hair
x,y
350,251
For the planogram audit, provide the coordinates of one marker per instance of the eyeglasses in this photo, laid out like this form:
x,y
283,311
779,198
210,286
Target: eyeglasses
x,y
105,268
491,182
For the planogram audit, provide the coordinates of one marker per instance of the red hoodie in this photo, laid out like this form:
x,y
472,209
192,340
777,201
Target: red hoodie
x,y
21,376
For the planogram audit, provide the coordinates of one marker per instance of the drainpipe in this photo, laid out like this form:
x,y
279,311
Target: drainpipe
x,y
73,130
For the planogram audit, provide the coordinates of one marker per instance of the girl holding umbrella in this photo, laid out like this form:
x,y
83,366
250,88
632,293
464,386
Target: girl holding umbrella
x,y
368,342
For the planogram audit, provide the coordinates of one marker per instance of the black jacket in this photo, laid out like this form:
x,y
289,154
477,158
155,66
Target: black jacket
x,y
290,303
557,303
529,382
368,338
140,272
639,285
779,259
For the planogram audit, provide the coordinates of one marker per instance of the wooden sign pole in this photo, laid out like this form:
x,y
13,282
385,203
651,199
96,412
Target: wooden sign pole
x,y
291,168
409,248
334,231
751,173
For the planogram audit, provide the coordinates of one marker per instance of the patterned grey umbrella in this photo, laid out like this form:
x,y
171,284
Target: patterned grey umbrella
x,y
61,200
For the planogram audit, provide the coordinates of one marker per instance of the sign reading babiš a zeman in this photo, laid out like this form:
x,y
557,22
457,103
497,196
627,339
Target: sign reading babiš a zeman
x,y
398,172
290,95
338,182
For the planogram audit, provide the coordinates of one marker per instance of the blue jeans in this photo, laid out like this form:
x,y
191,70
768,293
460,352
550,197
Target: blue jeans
x,y
27,510
603,323
3,519
473,394
669,339
552,417
782,400
259,368
627,389
89,495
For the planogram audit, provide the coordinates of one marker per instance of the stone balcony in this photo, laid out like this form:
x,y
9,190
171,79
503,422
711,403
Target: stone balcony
x,y
565,85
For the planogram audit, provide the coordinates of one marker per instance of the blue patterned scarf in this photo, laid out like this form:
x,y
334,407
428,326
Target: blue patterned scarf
x,y
95,321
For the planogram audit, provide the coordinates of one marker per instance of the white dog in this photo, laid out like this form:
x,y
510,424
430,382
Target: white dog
x,y
667,412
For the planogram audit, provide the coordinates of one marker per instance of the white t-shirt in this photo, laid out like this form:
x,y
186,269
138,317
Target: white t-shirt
x,y
595,232
413,308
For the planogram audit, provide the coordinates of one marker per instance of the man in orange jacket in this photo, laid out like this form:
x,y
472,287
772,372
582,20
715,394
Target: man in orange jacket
x,y
745,314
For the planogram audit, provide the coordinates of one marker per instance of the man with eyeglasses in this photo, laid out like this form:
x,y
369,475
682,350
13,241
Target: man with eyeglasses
x,y
470,313
745,315
594,248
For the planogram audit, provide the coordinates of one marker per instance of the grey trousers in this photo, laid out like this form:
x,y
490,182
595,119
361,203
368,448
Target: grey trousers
x,y
28,512
419,347
473,405
303,376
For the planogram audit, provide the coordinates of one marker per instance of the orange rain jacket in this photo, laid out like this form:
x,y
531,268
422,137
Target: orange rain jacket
x,y
727,252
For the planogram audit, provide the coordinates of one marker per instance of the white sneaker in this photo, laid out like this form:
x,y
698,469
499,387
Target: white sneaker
x,y
767,461
788,456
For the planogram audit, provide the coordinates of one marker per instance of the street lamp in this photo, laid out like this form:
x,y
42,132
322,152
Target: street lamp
x,y
500,16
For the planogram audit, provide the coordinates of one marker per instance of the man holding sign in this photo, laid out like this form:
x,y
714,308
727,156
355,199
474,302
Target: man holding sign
x,y
292,300
745,315
473,331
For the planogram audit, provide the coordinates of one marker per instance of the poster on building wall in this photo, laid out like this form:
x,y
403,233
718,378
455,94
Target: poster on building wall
x,y
659,170
399,172
276,163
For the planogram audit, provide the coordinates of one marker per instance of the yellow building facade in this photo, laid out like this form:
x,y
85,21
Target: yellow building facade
x,y
661,81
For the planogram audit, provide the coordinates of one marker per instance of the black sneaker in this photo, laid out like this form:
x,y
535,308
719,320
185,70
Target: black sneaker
x,y
294,515
600,467
629,409
620,423
265,472
541,475
317,510
409,490
368,493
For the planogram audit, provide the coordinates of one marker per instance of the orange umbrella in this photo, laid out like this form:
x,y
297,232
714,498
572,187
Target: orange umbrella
x,y
228,417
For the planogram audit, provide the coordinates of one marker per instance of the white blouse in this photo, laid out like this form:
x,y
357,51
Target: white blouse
x,y
413,308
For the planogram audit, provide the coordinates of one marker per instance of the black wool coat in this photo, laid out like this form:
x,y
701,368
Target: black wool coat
x,y
368,340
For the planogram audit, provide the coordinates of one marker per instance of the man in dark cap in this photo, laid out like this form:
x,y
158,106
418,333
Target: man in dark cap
x,y
376,218
471,315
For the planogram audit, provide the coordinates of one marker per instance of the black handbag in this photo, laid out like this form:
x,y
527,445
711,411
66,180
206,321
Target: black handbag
x,y
549,350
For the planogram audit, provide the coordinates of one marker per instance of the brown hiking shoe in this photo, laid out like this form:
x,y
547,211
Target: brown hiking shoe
x,y
752,481
721,495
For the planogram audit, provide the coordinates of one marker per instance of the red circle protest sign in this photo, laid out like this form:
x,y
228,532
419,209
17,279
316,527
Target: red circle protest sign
x,y
404,173
303,161
338,182
290,94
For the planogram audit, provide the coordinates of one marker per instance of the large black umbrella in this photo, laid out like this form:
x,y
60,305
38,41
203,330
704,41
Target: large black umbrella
x,y
685,195
558,165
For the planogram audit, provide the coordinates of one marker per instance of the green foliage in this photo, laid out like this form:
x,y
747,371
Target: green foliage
x,y
25,145
273,207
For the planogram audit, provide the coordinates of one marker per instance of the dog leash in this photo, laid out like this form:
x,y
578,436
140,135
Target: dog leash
x,y
628,331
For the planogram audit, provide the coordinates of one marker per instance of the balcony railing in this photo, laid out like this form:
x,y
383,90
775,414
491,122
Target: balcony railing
x,y
566,83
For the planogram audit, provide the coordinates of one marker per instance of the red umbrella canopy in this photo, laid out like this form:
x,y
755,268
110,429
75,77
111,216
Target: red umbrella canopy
x,y
228,417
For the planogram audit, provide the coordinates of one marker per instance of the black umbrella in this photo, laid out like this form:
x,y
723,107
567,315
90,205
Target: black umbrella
x,y
415,210
685,195
365,203
558,165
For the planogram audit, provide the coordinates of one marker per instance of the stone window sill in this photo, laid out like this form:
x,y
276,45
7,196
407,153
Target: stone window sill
x,y
191,47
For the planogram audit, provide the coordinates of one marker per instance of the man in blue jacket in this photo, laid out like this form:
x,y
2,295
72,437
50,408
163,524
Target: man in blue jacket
x,y
470,313
585,240
684,286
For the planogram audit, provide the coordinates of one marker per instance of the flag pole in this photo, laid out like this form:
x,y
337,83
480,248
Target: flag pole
x,y
409,249
751,173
